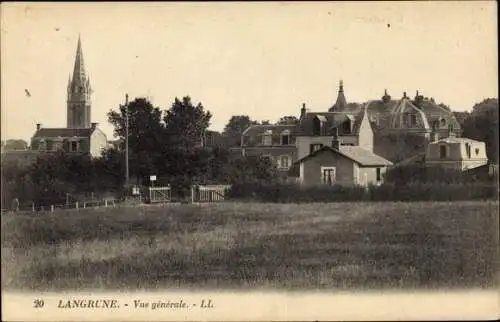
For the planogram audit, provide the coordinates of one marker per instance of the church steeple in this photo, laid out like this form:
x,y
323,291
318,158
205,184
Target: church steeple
x,y
341,102
79,93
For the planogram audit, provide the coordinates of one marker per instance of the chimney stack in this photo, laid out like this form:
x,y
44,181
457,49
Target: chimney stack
x,y
93,125
38,126
303,110
336,141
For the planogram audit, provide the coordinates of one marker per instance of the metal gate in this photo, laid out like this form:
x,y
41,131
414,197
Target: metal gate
x,y
209,193
160,194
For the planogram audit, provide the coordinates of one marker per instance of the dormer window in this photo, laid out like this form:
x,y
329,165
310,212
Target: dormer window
x,y
442,151
267,138
319,125
42,146
285,137
346,127
442,122
413,119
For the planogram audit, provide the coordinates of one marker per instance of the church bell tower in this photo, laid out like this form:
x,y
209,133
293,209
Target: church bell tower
x,y
79,91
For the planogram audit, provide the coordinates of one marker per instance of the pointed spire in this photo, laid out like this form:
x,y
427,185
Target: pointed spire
x,y
79,69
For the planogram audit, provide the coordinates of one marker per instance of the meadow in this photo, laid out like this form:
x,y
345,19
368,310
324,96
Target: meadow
x,y
334,246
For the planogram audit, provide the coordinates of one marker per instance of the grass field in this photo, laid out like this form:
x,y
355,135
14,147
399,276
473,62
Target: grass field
x,y
261,246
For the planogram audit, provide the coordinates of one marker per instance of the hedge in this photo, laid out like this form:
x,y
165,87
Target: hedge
x,y
294,193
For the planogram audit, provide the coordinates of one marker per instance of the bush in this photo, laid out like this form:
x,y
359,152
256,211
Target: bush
x,y
293,193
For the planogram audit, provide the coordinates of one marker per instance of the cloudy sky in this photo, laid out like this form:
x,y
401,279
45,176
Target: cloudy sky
x,y
258,59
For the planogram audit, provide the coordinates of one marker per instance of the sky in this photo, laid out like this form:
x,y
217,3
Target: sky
x,y
258,59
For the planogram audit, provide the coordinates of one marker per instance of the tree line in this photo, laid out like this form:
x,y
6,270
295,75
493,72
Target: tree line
x,y
167,143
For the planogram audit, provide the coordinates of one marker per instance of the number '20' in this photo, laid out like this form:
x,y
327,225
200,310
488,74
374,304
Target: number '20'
x,y
37,304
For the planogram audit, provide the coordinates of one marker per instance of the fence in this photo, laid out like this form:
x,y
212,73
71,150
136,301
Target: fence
x,y
160,194
68,206
209,193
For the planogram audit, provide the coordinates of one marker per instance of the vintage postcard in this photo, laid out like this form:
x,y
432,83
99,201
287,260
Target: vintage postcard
x,y
249,161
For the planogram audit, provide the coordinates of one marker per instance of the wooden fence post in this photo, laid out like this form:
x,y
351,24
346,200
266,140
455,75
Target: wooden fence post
x,y
33,207
51,208
76,205
105,203
84,205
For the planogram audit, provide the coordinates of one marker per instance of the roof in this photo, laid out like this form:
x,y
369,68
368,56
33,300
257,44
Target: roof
x,y
455,140
259,129
431,110
63,132
355,153
333,119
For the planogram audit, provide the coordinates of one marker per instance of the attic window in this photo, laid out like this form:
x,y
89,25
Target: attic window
x,y
477,151
285,137
346,127
442,151
443,122
73,146
413,119
267,138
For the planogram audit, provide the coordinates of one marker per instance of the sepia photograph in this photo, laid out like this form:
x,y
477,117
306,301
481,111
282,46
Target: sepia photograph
x,y
225,149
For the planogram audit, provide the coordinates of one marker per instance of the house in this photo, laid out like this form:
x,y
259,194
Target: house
x,y
71,140
451,152
403,127
342,164
274,141
457,153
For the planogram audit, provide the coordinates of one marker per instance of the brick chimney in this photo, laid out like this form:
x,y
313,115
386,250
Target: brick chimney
x,y
38,126
336,141
93,125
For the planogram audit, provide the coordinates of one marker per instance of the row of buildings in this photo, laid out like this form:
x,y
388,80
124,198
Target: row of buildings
x,y
347,143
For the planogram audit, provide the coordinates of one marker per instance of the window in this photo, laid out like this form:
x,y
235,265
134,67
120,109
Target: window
x,y
477,151
41,145
346,127
314,147
379,176
442,122
442,152
284,162
285,137
328,175
316,124
413,119
267,139
49,146
468,150
73,146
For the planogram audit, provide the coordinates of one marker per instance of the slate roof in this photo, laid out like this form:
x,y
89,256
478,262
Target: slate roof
x,y
63,132
255,130
332,119
431,110
355,153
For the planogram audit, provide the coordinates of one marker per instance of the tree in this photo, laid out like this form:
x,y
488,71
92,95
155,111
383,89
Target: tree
x,y
146,136
235,127
185,125
14,145
288,120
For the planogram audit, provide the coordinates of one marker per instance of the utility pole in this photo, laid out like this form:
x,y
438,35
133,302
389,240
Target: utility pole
x,y
126,141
